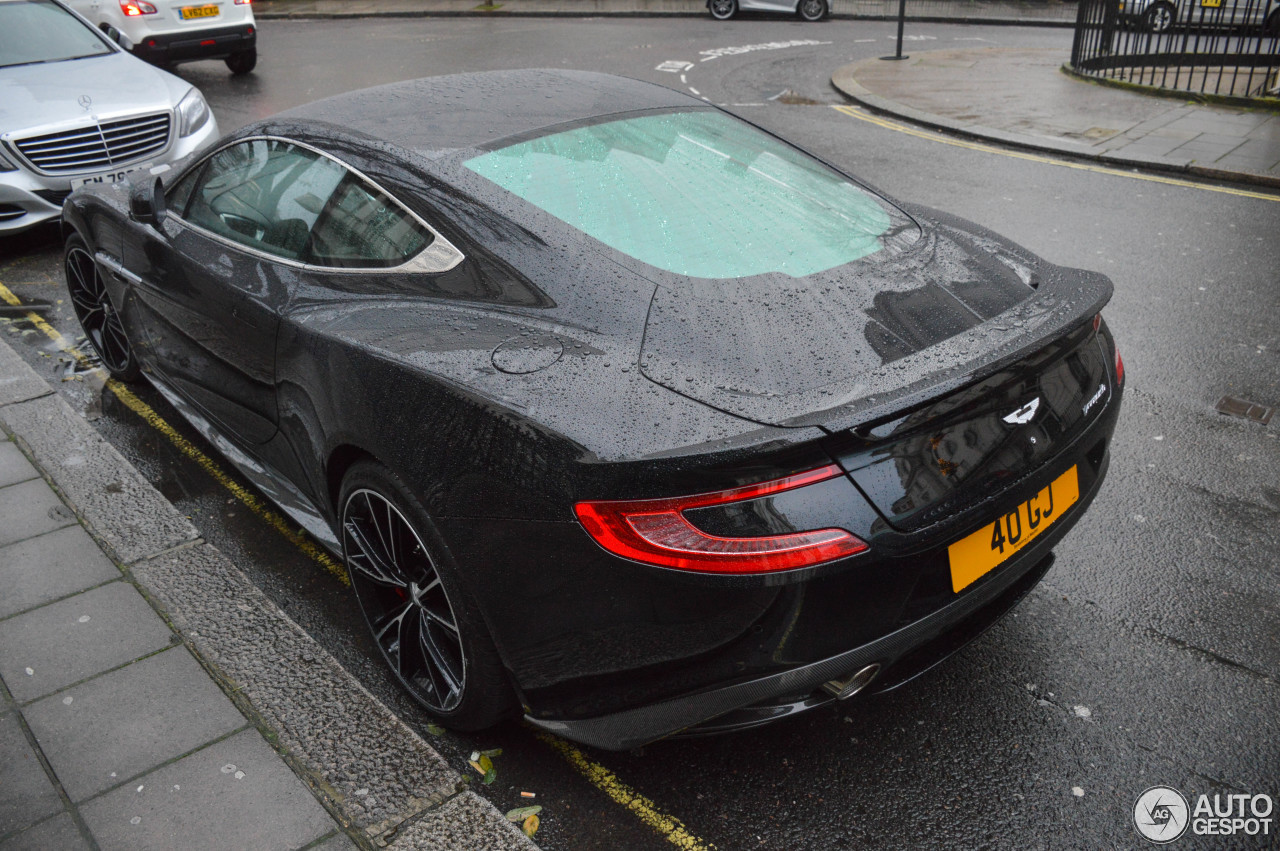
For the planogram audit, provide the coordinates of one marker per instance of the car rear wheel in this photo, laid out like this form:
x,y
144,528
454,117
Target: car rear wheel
x,y
242,62
812,10
424,622
96,312
1159,18
723,10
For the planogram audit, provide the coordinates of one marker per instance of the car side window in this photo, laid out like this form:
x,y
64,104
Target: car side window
x,y
266,194
180,193
363,228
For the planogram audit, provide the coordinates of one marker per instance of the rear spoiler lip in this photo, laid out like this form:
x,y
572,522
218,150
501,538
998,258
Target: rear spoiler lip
x,y
1065,299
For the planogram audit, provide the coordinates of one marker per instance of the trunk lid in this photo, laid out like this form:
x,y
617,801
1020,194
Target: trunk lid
x,y
970,445
866,340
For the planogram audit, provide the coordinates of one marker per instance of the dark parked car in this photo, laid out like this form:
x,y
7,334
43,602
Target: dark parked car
x,y
624,413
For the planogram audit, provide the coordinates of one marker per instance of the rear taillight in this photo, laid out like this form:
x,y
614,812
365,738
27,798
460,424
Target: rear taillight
x,y
243,2
1119,367
134,8
655,531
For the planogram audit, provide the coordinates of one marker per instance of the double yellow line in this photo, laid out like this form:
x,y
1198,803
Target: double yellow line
x,y
602,778
122,392
888,124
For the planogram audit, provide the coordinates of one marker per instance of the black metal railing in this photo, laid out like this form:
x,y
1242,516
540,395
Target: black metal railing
x,y
1219,47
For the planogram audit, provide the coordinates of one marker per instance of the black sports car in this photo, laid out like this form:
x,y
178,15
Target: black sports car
x,y
623,412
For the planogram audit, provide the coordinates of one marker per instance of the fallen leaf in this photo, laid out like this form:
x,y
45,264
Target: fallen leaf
x,y
522,813
435,729
530,826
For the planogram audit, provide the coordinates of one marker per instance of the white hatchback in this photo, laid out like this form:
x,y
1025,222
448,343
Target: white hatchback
x,y
76,109
165,32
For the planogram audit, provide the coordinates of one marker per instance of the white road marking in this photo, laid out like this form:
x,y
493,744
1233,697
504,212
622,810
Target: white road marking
x,y
674,66
717,52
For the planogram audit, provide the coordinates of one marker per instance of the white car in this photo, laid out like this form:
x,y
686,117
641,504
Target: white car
x,y
809,10
166,32
75,108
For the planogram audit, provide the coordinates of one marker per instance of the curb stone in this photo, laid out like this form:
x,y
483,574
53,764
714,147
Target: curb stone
x,y
372,772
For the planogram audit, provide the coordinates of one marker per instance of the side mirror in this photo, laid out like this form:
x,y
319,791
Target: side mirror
x,y
117,36
146,202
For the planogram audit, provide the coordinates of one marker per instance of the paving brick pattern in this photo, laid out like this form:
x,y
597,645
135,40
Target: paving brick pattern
x,y
112,735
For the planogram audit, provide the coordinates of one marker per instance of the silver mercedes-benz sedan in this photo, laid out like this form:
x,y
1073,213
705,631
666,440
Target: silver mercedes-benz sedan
x,y
76,108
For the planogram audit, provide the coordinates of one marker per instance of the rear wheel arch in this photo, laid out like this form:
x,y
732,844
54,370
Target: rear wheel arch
x,y
341,459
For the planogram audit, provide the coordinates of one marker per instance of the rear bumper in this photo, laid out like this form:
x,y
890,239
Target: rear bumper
x,y
905,652
216,43
902,654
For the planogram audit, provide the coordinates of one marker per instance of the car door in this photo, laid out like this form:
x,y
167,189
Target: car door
x,y
216,273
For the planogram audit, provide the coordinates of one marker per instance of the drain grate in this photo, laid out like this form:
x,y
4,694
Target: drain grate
x,y
1231,406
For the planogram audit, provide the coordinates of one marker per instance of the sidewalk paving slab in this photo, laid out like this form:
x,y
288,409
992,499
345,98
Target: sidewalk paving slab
x,y
171,806
14,466
132,707
59,832
26,795
63,643
1022,97
107,730
40,570
127,513
29,509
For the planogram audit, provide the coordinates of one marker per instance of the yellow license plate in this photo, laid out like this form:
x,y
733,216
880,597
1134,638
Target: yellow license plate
x,y
977,554
1212,4
189,12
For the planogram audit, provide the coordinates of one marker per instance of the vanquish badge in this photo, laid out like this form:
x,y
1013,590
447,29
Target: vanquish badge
x,y
1025,413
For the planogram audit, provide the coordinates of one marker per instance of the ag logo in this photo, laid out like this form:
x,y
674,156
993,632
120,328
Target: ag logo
x,y
1024,414
1161,814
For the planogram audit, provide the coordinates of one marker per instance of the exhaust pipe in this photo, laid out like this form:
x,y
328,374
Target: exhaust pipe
x,y
844,688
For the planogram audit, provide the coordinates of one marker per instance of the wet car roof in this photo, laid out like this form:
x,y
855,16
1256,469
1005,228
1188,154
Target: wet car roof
x,y
471,110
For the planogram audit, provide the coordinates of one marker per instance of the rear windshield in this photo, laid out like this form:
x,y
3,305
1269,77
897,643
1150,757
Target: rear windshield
x,y
694,193
39,31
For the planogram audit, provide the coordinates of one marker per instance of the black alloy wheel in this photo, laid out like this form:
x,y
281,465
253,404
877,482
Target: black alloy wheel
x,y
424,624
812,10
723,10
98,316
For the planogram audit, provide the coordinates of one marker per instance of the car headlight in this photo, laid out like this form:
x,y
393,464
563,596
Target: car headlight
x,y
193,112
5,165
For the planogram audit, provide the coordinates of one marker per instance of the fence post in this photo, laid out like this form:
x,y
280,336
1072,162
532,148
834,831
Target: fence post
x,y
902,20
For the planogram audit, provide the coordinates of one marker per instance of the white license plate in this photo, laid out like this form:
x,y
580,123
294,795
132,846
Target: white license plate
x,y
110,177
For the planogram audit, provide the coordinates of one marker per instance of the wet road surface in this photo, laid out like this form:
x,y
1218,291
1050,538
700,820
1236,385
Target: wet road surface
x,y
1150,653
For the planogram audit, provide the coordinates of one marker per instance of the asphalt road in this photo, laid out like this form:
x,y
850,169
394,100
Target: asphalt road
x,y
1149,655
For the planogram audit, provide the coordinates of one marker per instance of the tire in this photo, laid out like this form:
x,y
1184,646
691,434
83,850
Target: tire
x,y
1272,26
242,62
812,10
413,600
96,312
1160,18
723,10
